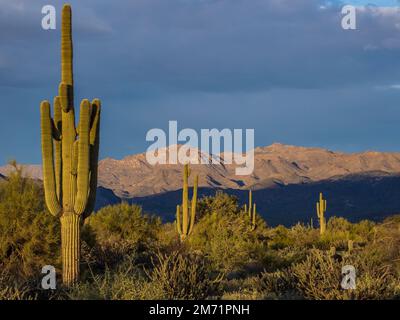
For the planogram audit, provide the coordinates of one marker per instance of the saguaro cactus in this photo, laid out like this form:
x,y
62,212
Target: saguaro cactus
x,y
251,211
321,208
70,157
253,224
186,214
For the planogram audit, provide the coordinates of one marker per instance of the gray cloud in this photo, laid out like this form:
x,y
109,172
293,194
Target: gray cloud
x,y
284,67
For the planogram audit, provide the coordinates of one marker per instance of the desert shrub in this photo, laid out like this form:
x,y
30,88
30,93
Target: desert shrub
x,y
168,237
339,231
319,277
14,293
386,241
277,285
304,236
228,241
11,289
242,289
181,275
298,236
279,237
29,236
283,258
125,282
222,203
338,224
244,294
123,228
363,231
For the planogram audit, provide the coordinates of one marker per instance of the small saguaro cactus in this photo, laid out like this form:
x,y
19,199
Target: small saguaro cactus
x,y
251,211
186,213
321,208
253,218
70,157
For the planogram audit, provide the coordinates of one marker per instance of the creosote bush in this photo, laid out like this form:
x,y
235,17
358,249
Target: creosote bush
x,y
124,225
125,282
228,241
319,277
29,237
182,275
222,203
120,230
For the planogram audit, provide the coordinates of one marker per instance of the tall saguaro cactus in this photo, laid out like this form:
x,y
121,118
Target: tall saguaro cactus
x,y
321,208
186,214
70,156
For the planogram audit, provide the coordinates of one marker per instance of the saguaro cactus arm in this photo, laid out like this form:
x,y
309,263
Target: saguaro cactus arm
x,y
321,208
194,204
188,211
185,196
94,154
48,160
253,220
57,146
66,46
83,158
178,220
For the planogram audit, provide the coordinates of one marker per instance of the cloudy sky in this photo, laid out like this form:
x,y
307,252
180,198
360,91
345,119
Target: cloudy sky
x,y
285,68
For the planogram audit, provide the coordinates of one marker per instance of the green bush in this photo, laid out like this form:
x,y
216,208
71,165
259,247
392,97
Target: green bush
x,y
298,236
319,277
277,285
242,289
125,282
228,241
221,203
29,236
124,226
181,275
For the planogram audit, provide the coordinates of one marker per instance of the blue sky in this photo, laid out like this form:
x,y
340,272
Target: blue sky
x,y
285,68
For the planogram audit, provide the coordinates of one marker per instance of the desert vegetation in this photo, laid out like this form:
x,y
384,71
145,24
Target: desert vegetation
x,y
129,254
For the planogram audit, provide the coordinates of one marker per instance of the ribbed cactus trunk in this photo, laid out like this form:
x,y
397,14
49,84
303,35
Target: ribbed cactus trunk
x,y
70,239
250,209
70,156
253,217
186,213
321,208
185,198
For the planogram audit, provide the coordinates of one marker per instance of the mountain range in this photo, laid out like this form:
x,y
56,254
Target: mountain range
x,y
286,181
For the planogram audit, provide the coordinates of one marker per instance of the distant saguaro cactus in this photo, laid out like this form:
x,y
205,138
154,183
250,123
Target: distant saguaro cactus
x,y
321,208
251,211
70,157
186,214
